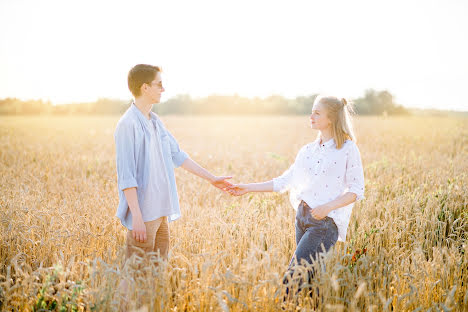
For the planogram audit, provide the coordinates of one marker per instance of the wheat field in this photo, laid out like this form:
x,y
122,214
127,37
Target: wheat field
x,y
62,248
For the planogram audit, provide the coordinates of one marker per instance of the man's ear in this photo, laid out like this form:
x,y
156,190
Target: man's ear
x,y
143,88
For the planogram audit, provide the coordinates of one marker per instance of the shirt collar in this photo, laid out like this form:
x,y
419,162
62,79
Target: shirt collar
x,y
140,115
327,144
143,120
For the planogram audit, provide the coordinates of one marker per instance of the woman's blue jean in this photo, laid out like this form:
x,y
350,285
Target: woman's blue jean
x,y
310,235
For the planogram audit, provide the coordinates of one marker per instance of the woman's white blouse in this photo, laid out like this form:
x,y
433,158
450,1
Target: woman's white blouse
x,y
322,173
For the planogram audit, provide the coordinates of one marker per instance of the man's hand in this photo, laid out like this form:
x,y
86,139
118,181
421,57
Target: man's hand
x,y
320,212
238,189
221,183
139,229
218,182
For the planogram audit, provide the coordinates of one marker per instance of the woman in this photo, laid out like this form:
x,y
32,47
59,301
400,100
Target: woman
x,y
324,181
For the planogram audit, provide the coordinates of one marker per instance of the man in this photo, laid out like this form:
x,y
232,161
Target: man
x,y
146,155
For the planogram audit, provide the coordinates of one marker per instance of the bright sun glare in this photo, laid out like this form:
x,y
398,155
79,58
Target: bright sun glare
x,y
80,51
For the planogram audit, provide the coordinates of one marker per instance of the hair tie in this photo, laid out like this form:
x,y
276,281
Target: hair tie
x,y
344,102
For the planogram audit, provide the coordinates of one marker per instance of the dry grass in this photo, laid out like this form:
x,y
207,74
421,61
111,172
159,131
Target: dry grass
x,y
62,248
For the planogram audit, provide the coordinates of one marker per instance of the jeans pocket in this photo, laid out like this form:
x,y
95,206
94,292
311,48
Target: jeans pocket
x,y
332,227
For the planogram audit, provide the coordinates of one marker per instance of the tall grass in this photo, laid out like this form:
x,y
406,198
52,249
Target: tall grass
x,y
62,248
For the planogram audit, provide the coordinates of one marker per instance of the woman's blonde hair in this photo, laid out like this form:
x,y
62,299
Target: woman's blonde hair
x,y
339,112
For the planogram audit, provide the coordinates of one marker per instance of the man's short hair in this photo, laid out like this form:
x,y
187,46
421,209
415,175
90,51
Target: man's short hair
x,y
140,74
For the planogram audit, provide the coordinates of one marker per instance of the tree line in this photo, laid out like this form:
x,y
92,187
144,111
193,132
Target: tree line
x,y
372,103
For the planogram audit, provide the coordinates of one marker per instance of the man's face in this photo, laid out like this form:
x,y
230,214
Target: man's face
x,y
154,89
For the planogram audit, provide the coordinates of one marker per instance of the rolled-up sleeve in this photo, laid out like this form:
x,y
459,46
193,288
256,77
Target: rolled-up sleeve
x,y
354,172
282,183
125,156
177,154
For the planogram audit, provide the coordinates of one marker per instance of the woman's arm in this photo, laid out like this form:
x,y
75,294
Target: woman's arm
x,y
279,184
322,211
354,178
241,189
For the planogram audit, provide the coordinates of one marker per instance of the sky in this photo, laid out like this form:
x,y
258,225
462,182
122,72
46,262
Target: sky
x,y
79,51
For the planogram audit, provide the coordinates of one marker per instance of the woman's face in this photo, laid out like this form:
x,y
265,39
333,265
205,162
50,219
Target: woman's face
x,y
319,119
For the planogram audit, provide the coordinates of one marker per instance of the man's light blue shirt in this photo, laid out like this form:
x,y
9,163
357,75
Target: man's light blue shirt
x,y
132,142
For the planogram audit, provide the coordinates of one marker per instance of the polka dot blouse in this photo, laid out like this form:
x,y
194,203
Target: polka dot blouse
x,y
322,173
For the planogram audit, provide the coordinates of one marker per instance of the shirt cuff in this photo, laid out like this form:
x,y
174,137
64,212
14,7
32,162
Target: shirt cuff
x,y
179,158
359,196
277,185
127,183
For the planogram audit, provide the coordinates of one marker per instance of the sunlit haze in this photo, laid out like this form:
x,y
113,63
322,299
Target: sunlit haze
x,y
78,51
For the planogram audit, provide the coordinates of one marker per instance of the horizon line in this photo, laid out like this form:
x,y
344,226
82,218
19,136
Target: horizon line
x,y
45,99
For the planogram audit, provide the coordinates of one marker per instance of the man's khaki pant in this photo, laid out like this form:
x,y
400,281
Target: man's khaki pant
x,y
157,233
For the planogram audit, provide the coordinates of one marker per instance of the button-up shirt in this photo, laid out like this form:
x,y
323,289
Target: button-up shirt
x,y
137,145
322,173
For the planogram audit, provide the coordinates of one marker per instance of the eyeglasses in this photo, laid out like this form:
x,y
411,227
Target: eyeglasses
x,y
159,84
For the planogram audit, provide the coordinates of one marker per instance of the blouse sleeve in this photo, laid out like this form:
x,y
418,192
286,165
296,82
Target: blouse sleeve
x,y
283,183
354,176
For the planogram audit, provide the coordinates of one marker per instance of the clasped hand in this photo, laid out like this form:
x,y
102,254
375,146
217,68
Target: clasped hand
x,y
221,183
233,189
238,189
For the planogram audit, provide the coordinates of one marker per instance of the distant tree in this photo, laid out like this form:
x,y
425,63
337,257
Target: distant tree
x,y
303,104
16,106
8,107
377,103
109,106
373,102
180,104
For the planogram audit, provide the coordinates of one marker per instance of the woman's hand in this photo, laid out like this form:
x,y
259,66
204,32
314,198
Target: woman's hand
x,y
320,212
238,189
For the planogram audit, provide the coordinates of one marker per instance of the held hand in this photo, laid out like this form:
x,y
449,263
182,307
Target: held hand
x,y
139,230
238,189
319,212
221,183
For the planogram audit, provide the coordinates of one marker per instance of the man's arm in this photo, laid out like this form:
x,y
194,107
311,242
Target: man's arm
x,y
192,167
126,175
139,229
